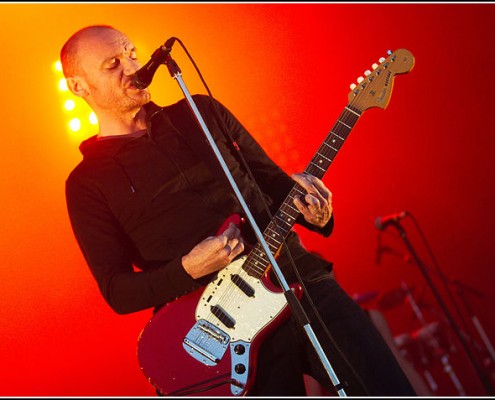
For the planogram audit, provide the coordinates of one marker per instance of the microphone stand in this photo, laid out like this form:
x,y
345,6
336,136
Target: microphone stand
x,y
461,289
292,300
484,380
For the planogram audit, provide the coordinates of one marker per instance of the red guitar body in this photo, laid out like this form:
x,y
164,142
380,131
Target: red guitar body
x,y
169,366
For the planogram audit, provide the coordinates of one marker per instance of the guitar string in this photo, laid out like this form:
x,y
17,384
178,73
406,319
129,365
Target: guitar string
x,y
328,153
314,169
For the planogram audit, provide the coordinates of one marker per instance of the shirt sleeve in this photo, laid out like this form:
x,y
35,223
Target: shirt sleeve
x,y
268,175
108,253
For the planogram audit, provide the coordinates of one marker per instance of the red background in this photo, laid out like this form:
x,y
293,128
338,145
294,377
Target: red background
x,y
285,71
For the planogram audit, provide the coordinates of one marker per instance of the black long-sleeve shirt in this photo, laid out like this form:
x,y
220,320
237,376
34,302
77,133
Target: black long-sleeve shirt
x,y
144,200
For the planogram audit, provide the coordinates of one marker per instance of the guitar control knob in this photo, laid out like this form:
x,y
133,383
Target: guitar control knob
x,y
239,349
240,369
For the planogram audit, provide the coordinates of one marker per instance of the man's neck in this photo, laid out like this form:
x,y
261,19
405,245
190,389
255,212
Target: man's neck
x,y
123,125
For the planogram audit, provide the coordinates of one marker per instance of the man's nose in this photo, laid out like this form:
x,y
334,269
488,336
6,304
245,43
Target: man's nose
x,y
130,66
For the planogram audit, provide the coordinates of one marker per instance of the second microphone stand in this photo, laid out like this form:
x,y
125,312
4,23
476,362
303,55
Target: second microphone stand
x,y
292,300
484,380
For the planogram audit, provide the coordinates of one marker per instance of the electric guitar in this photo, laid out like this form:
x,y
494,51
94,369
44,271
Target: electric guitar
x,y
206,342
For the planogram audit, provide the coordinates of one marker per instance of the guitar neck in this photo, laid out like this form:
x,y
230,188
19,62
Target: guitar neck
x,y
257,262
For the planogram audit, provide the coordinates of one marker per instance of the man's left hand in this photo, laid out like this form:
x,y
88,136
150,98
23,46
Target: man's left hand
x,y
316,205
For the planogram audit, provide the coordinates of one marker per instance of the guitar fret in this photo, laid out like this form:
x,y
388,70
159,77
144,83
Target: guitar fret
x,y
277,228
324,156
255,271
350,127
295,209
254,267
273,238
289,219
273,246
333,148
321,161
291,213
259,258
317,166
257,265
342,130
341,138
352,111
283,221
257,262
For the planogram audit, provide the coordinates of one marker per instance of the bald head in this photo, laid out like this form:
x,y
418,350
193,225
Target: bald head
x,y
70,50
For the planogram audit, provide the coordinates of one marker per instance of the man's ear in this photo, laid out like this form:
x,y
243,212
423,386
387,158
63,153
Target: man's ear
x,y
78,86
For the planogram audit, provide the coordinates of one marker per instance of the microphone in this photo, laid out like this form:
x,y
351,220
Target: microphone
x,y
143,76
382,222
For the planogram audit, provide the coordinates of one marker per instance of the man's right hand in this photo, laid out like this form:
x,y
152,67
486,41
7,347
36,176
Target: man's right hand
x,y
214,253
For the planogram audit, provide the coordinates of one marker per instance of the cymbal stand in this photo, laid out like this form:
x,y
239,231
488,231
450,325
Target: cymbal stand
x,y
419,315
476,322
433,342
483,378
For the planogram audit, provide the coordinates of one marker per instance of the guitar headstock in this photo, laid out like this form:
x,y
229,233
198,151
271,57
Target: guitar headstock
x,y
376,88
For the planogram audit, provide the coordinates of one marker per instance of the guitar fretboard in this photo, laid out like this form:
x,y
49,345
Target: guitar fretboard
x,y
257,261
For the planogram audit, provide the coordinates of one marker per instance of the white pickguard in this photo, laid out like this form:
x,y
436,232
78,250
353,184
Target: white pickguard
x,y
251,314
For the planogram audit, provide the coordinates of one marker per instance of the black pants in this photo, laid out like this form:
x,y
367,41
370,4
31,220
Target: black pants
x,y
364,364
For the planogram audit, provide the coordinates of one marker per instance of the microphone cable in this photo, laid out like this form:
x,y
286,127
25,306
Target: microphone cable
x,y
233,144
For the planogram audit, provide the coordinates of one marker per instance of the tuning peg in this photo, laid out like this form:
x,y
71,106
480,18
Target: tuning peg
x,y
353,86
382,59
367,72
360,79
374,66
389,52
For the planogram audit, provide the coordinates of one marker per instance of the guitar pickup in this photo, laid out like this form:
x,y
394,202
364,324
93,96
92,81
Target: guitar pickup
x,y
225,318
243,285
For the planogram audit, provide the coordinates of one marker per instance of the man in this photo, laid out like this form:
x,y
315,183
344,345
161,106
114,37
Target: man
x,y
149,194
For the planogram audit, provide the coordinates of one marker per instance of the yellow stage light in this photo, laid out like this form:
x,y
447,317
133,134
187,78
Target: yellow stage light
x,y
75,124
92,118
62,85
70,105
81,121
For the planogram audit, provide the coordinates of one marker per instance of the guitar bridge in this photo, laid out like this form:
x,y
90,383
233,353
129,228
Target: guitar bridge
x,y
206,343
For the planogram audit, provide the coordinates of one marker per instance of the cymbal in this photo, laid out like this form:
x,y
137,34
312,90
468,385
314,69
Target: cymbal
x,y
427,331
392,298
365,297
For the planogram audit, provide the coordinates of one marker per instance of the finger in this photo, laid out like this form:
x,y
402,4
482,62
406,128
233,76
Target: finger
x,y
233,248
312,210
302,207
322,189
238,249
303,180
313,185
313,200
233,242
307,182
232,232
